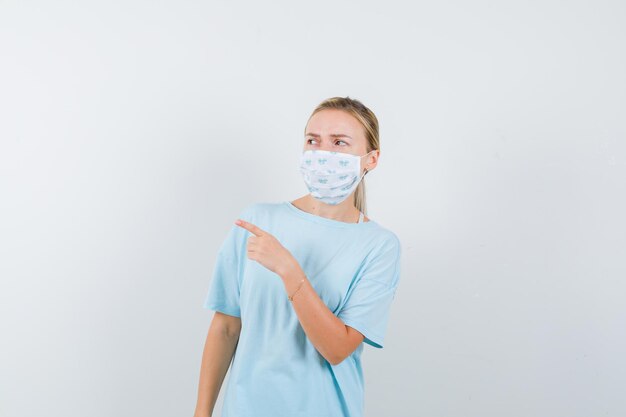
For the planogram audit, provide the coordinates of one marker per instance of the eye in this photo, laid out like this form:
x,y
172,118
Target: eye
x,y
308,141
342,141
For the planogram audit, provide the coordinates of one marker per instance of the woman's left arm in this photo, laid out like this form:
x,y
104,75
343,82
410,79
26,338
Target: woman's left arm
x,y
334,340
330,336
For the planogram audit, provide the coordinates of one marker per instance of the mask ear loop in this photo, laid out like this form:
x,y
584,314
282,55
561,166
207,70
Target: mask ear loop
x,y
367,170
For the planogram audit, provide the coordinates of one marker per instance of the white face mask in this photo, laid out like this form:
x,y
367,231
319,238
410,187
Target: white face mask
x,y
331,176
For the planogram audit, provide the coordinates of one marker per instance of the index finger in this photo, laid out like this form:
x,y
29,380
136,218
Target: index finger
x,y
250,227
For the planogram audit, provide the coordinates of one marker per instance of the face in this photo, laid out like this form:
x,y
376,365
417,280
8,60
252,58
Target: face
x,y
337,130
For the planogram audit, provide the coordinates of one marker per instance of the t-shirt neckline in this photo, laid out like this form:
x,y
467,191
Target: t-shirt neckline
x,y
323,220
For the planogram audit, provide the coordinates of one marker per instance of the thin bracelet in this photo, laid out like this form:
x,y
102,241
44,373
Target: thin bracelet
x,y
294,293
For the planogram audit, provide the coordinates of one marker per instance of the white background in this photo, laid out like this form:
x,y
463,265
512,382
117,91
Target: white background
x,y
132,133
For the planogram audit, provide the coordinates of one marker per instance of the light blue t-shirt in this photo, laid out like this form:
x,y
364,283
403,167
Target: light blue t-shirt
x,y
276,371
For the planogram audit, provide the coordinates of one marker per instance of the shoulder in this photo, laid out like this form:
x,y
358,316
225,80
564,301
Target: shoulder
x,y
382,263
386,240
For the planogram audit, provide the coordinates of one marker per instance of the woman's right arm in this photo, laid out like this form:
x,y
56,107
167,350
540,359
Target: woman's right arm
x,y
219,348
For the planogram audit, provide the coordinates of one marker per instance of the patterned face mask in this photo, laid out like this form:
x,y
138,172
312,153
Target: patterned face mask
x,y
331,176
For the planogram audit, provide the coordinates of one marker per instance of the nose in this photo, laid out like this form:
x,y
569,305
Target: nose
x,y
326,147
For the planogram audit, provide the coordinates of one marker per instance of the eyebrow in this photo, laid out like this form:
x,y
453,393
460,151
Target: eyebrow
x,y
335,135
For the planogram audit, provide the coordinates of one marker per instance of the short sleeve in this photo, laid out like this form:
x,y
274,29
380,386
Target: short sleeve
x,y
369,302
224,288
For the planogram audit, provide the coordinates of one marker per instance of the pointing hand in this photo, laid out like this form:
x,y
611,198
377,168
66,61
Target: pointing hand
x,y
264,248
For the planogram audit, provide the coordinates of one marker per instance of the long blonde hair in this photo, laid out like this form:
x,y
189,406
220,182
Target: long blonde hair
x,y
368,120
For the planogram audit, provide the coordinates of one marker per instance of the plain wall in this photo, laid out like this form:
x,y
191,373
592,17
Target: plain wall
x,y
132,133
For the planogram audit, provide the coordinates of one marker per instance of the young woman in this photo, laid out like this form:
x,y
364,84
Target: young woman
x,y
298,286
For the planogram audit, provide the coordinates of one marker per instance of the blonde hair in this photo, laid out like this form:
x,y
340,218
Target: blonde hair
x,y
368,120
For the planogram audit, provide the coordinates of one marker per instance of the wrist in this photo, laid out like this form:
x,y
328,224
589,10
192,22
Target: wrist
x,y
290,271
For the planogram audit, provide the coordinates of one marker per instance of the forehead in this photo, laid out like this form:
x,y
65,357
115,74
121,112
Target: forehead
x,y
332,121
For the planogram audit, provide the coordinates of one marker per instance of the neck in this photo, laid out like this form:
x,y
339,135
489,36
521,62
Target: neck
x,y
343,212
